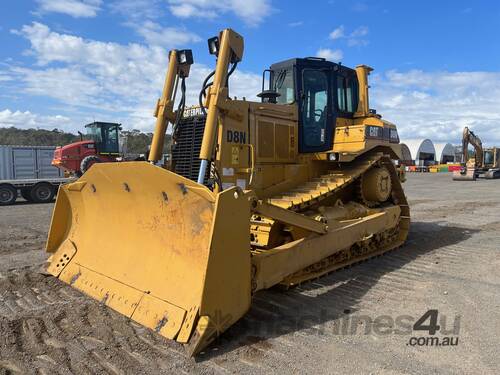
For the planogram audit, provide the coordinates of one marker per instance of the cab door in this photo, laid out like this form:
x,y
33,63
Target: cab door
x,y
316,121
110,143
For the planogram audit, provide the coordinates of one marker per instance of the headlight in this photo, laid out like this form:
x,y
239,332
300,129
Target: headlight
x,y
185,57
213,45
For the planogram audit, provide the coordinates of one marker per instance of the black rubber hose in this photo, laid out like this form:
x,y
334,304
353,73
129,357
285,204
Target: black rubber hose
x,y
207,84
204,87
180,108
233,68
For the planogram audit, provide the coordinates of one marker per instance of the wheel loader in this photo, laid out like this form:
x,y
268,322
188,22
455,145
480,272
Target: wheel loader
x,y
485,163
257,194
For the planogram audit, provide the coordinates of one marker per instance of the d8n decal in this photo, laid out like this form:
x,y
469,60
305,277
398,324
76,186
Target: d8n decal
x,y
236,136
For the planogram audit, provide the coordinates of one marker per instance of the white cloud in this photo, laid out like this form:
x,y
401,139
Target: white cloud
x,y
155,34
74,8
329,54
437,105
5,77
143,15
296,24
108,79
137,10
354,38
186,10
359,32
26,120
251,12
49,46
337,33
353,42
360,6
71,86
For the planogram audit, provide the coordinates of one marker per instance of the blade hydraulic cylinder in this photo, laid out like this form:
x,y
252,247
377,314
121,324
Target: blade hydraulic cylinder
x,y
213,96
164,109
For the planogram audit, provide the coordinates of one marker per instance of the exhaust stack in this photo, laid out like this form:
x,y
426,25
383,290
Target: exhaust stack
x,y
363,71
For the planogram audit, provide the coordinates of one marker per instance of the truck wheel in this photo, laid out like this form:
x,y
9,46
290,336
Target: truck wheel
x,y
8,194
87,162
26,194
42,193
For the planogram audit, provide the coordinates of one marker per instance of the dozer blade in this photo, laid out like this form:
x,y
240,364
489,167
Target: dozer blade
x,y
156,247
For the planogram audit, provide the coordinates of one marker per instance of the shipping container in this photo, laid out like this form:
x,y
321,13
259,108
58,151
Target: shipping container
x,y
27,171
27,162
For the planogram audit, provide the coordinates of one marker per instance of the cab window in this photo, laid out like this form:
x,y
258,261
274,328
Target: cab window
x,y
284,85
347,94
341,98
314,107
488,157
110,139
94,133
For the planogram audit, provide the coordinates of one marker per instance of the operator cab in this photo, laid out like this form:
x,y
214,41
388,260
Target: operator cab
x,y
488,157
105,136
323,91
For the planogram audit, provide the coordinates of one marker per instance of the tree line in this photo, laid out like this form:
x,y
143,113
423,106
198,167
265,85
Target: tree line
x,y
137,141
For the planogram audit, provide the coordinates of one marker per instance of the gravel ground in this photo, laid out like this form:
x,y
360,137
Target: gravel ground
x,y
358,320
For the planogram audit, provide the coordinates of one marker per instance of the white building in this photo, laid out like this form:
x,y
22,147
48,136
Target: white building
x,y
445,152
422,151
406,154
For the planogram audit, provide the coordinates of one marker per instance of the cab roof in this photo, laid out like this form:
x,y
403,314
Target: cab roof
x,y
102,124
316,62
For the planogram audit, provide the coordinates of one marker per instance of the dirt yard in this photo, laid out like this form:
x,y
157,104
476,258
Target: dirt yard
x,y
358,320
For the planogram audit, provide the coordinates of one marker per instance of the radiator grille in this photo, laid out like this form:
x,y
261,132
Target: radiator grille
x,y
186,149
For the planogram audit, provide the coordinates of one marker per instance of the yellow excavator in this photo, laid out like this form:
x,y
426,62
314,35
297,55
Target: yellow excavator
x,y
485,163
257,194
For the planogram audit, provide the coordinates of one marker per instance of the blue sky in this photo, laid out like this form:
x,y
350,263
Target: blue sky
x,y
66,62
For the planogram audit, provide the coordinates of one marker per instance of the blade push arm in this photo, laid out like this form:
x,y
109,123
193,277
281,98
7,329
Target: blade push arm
x,y
231,50
178,67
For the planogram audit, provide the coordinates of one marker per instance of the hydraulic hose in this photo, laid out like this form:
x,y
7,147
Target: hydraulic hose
x,y
233,68
180,108
206,85
203,93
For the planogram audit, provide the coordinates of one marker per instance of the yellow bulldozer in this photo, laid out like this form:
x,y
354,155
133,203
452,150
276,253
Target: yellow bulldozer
x,y
485,163
257,194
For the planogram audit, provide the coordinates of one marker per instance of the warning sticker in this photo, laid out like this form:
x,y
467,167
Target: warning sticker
x,y
235,155
228,171
241,183
227,185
